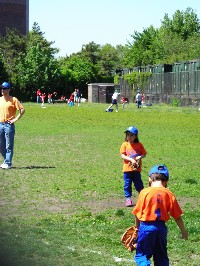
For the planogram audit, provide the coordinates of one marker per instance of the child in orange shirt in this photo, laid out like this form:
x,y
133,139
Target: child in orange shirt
x,y
130,151
154,207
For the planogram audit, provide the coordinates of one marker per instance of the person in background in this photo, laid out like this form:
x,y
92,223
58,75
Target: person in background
x,y
78,97
132,150
153,209
114,100
38,93
54,97
75,95
62,98
50,98
124,101
43,96
71,99
143,98
139,99
8,108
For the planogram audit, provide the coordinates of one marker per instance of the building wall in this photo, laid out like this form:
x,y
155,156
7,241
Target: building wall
x,y
101,92
14,14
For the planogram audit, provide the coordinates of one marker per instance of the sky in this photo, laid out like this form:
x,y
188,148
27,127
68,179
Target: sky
x,y
74,23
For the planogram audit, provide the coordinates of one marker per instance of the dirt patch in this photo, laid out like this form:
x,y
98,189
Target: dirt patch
x,y
54,205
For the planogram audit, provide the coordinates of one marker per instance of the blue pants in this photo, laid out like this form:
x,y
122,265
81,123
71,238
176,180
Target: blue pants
x,y
7,133
129,178
152,241
139,103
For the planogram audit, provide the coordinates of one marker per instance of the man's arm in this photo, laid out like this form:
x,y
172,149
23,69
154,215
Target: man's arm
x,y
21,112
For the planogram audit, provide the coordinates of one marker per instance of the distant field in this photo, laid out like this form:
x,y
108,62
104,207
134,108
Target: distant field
x,y
63,203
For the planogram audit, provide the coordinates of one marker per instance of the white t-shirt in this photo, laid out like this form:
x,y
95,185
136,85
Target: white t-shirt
x,y
139,97
115,95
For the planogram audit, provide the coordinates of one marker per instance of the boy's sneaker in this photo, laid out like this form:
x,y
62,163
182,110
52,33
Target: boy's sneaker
x,y
2,165
129,203
5,166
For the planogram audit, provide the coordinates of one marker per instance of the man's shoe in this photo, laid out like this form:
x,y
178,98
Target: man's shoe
x,y
5,166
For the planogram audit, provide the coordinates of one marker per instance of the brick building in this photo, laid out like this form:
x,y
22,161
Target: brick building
x,y
14,14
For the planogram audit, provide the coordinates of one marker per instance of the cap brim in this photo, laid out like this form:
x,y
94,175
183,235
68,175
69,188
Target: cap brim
x,y
131,132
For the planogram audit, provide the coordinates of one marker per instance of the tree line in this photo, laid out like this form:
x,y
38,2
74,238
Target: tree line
x,y
29,62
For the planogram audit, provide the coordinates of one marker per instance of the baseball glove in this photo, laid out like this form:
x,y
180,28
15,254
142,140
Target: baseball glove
x,y
129,238
135,165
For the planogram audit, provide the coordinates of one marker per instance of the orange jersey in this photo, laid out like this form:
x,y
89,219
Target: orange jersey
x,y
132,150
9,108
156,203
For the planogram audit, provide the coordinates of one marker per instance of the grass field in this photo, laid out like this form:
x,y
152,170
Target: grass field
x,y
62,203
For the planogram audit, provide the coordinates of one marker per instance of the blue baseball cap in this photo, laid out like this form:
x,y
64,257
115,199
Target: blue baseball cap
x,y
133,130
5,85
159,169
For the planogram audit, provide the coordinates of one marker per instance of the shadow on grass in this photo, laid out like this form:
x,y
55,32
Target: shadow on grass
x,y
33,167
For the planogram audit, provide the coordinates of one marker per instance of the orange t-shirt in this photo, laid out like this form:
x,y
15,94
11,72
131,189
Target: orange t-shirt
x,y
132,150
156,203
8,108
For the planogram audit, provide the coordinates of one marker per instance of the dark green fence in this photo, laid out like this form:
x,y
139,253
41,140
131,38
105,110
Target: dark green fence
x,y
178,80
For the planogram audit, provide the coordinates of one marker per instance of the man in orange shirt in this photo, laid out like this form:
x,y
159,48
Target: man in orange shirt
x,y
8,107
154,207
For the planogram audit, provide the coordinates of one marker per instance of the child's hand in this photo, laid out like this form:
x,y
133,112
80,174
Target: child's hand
x,y
138,158
133,160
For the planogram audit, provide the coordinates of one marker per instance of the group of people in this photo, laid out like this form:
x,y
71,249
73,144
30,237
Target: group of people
x,y
139,99
42,96
75,97
154,206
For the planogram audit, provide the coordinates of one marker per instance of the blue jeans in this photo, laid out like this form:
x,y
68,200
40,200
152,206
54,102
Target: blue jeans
x,y
129,178
152,241
38,99
7,133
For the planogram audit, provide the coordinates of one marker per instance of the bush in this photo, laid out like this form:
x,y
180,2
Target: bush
x,y
175,102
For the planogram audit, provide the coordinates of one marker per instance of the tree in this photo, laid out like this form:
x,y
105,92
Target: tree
x,y
37,66
108,61
176,40
180,36
183,23
3,74
91,52
145,48
77,72
11,46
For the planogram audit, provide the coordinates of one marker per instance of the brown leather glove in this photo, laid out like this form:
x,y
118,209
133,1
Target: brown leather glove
x,y
129,238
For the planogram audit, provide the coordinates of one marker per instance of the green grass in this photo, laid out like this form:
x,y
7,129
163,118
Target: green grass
x,y
63,203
